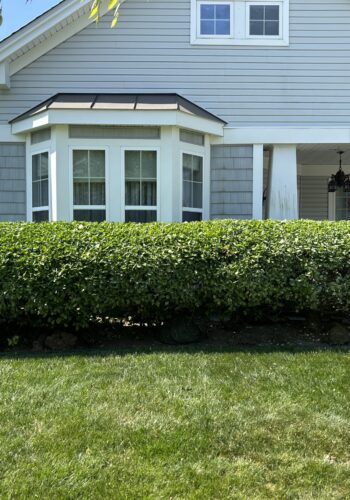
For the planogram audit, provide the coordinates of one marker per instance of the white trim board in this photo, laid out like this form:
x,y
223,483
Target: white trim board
x,y
42,35
111,117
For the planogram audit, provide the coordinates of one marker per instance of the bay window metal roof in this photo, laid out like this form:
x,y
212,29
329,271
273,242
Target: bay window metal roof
x,y
120,102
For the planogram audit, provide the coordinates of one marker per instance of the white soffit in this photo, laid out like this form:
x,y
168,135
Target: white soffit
x,y
43,34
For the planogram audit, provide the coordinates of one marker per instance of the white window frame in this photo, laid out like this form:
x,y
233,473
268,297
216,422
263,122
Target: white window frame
x,y
198,18
35,152
190,209
240,25
263,4
71,180
148,208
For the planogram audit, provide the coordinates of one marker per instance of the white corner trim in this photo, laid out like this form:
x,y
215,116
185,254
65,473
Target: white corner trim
x,y
40,26
75,9
5,75
258,181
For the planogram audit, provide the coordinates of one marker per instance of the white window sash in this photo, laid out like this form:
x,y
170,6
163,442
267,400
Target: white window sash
x,y
263,4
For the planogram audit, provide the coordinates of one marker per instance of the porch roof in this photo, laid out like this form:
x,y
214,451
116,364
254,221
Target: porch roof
x,y
120,102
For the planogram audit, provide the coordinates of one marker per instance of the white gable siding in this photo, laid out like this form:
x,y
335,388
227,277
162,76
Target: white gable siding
x,y
307,83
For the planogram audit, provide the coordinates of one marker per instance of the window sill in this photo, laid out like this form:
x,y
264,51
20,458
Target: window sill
x,y
255,42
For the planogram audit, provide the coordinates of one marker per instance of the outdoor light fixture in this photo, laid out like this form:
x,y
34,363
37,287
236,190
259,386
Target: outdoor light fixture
x,y
340,179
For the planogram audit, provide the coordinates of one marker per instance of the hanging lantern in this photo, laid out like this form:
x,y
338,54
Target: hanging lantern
x,y
340,179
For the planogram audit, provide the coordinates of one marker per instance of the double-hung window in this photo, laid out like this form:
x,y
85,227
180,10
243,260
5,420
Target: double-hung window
x,y
140,173
214,19
40,187
89,185
192,187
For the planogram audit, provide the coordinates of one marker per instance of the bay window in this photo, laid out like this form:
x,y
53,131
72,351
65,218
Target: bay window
x,y
40,187
89,185
140,174
192,187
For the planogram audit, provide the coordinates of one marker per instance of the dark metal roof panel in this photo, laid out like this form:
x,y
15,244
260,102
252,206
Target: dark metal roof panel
x,y
117,101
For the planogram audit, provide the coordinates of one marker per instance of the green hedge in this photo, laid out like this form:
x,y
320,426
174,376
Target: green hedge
x,y
69,273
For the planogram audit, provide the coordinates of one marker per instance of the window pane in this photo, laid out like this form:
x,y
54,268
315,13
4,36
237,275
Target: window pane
x,y
191,216
222,27
81,192
41,216
97,192
97,164
256,12
197,168
207,11
272,28
197,195
132,193
44,202
80,164
223,12
36,167
207,27
140,215
187,194
132,164
149,165
272,12
149,194
90,215
44,165
257,28
36,188
187,167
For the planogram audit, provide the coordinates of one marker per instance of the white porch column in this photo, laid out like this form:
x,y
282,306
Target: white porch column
x,y
258,180
60,185
283,184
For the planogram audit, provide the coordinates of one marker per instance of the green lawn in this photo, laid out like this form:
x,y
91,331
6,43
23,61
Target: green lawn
x,y
176,425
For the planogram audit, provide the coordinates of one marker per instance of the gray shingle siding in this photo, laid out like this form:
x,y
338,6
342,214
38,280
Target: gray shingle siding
x,y
12,182
231,182
306,83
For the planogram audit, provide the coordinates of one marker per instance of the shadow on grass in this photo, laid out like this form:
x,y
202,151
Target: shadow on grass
x,y
195,348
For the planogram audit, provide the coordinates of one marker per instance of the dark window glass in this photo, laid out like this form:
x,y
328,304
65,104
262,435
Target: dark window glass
x,y
264,20
192,184
191,216
90,215
141,178
89,177
140,215
42,216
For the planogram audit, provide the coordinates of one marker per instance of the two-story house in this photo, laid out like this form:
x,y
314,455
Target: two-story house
x,y
187,110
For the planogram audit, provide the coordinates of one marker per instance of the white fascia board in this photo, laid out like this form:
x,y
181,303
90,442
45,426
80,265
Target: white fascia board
x,y
117,117
5,75
39,27
286,135
6,135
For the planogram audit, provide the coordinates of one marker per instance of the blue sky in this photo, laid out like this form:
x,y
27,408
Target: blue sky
x,y
19,12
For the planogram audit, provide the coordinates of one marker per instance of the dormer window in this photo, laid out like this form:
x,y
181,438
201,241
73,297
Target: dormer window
x,y
240,22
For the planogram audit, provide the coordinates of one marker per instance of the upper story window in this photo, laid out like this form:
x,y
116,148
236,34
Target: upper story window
x,y
264,20
214,19
240,22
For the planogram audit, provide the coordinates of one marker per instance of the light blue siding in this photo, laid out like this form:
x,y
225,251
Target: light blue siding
x,y
307,83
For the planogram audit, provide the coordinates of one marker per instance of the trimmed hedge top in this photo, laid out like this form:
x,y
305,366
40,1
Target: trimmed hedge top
x,y
69,273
